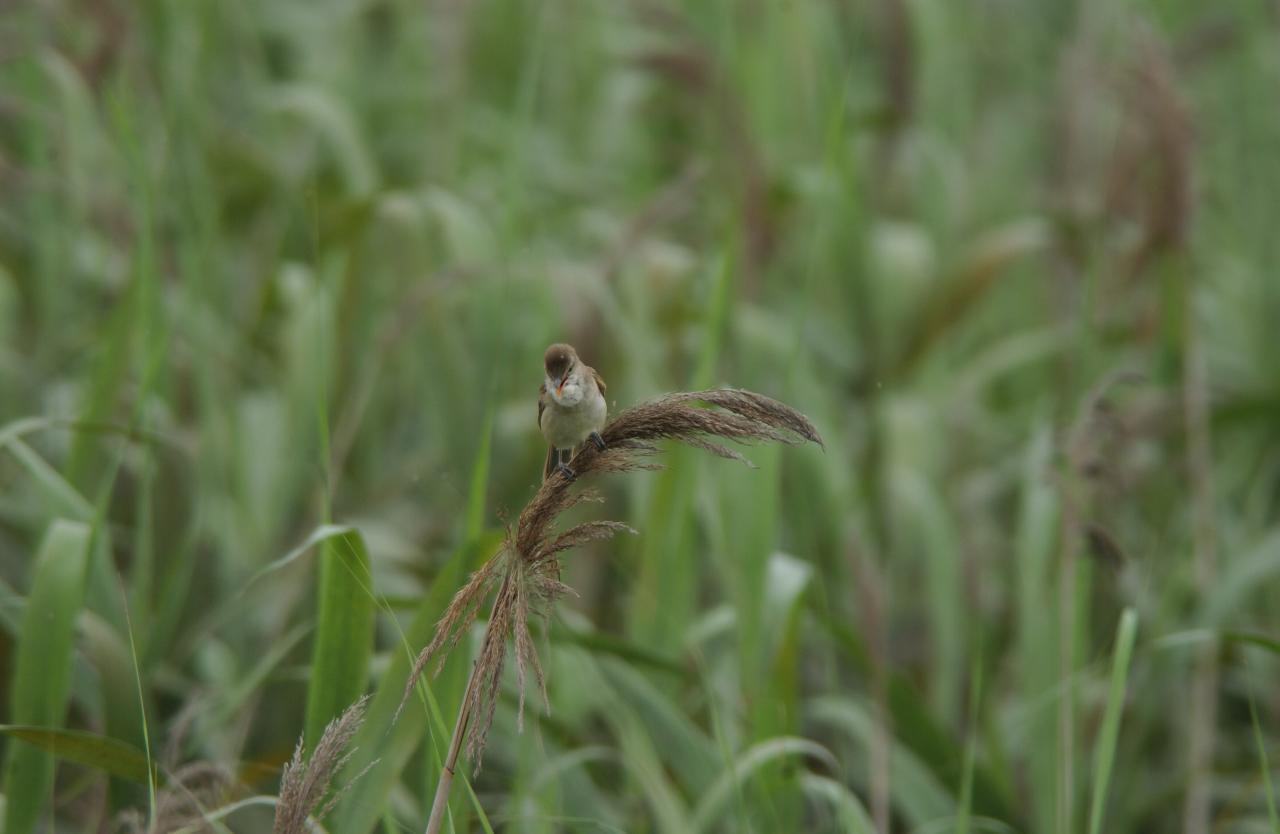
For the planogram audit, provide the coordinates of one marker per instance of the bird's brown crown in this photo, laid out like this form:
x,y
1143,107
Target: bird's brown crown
x,y
558,360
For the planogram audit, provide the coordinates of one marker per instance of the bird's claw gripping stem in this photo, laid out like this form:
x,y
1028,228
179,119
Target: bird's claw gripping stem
x,y
597,439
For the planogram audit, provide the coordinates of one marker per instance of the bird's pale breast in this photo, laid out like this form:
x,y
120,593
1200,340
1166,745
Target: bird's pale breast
x,y
566,427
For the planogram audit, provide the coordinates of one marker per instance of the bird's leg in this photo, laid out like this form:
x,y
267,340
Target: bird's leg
x,y
597,439
562,468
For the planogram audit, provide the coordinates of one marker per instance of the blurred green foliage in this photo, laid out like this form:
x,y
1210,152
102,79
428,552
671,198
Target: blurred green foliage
x,y
267,266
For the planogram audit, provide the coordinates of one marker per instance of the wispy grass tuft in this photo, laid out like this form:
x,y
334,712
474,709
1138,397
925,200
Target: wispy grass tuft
x,y
306,783
526,569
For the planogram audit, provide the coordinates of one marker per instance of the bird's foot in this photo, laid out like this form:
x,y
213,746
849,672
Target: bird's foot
x,y
597,439
564,470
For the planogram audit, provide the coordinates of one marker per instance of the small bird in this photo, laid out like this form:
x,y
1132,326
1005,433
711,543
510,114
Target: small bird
x,y
571,407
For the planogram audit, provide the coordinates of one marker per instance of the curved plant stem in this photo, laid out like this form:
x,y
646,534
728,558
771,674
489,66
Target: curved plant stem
x,y
451,758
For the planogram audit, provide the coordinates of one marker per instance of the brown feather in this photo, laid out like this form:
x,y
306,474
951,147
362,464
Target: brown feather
x,y
550,465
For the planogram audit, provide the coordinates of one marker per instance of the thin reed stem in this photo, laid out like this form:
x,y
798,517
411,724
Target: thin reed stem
x,y
441,801
450,766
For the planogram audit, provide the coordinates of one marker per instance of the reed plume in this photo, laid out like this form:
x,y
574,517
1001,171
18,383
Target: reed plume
x,y
526,569
305,784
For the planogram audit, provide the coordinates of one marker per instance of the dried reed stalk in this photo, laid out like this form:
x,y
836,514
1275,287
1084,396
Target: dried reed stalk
x,y
526,569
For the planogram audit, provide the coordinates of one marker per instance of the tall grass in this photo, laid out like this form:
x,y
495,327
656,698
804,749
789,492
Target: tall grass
x,y
274,268
42,674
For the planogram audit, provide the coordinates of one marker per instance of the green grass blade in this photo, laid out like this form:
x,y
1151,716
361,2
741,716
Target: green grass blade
x,y
233,698
964,814
142,709
745,765
1036,634
604,644
109,755
1249,638
41,681
480,478
321,534
934,525
646,769
344,631
393,744
916,792
850,812
57,490
1105,753
682,745
451,682
1242,577
916,729
1263,763
717,320
664,599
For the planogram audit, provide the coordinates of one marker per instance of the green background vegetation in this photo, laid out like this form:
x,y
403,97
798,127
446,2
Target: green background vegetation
x,y
267,267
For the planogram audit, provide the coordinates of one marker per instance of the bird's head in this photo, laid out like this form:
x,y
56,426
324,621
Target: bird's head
x,y
559,362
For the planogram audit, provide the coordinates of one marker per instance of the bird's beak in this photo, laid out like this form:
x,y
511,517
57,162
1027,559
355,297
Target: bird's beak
x,y
560,387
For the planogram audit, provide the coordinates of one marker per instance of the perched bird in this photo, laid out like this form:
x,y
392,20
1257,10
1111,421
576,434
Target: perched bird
x,y
571,407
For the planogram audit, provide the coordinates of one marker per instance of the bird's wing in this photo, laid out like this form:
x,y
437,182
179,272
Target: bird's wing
x,y
549,465
599,380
